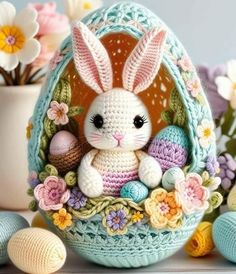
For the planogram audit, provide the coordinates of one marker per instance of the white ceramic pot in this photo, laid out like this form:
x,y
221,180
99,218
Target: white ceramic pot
x,y
16,107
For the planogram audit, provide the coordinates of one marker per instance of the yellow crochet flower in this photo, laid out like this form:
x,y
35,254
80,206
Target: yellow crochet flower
x,y
62,219
163,209
137,217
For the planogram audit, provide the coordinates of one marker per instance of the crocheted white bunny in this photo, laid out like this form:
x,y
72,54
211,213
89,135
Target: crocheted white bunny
x,y
117,123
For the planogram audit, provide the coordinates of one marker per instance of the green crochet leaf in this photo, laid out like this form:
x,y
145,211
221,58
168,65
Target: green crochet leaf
x,y
42,155
71,178
167,116
44,142
51,170
228,119
73,111
49,127
43,175
230,146
62,92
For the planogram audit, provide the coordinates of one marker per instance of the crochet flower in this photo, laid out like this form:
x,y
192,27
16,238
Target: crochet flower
x,y
16,36
77,199
28,130
137,217
116,219
191,194
193,86
185,64
58,113
56,59
205,132
62,219
52,194
227,84
212,165
163,209
210,182
33,180
227,170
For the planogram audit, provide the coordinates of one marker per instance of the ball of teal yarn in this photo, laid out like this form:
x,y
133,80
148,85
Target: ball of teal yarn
x,y
171,176
10,223
224,235
134,190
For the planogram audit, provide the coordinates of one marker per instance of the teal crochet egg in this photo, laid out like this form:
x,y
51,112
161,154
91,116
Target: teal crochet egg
x,y
224,235
134,190
171,176
10,223
170,147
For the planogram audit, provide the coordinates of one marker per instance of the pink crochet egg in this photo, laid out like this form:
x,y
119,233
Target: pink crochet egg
x,y
62,142
170,147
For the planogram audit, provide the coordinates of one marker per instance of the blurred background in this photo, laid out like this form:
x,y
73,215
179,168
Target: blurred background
x,y
205,27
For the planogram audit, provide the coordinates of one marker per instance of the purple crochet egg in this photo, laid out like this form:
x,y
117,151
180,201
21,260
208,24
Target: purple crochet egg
x,y
170,147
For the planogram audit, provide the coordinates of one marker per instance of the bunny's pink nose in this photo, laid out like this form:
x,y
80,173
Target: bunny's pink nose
x,y
118,136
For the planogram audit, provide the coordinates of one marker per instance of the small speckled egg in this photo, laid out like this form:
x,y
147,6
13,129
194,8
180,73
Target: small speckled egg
x,y
134,190
37,251
10,223
64,151
224,235
170,147
38,221
171,176
201,242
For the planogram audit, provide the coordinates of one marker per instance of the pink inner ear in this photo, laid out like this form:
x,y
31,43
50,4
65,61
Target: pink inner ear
x,y
144,62
91,59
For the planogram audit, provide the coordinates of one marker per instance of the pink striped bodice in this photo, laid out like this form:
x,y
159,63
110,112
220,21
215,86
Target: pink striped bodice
x,y
116,168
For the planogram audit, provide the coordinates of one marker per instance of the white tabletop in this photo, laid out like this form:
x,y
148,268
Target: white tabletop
x,y
179,263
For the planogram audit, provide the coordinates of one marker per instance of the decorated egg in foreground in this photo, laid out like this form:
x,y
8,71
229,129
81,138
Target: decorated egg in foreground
x,y
170,147
65,152
10,223
171,176
134,190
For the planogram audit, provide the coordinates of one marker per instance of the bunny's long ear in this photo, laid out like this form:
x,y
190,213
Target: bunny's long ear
x,y
91,59
144,61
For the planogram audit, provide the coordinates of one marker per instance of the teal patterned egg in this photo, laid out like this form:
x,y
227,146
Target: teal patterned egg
x,y
224,232
134,190
10,223
171,176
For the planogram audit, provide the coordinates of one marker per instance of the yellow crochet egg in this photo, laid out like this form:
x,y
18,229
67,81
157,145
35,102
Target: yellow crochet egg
x,y
36,251
231,200
38,221
201,242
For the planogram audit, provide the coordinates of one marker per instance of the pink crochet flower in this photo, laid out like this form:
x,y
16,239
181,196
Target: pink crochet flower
x,y
185,64
191,194
52,194
193,85
57,58
58,113
50,21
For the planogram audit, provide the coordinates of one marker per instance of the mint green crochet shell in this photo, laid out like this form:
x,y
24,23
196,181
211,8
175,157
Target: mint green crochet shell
x,y
142,245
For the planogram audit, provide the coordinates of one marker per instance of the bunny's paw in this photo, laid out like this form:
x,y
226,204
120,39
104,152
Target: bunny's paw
x,y
150,172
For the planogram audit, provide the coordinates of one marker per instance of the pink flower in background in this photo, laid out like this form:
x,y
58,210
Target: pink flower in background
x,y
193,85
58,113
52,194
185,64
49,20
57,58
191,194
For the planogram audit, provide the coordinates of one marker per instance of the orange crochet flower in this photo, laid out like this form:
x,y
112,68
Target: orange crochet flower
x,y
163,209
62,219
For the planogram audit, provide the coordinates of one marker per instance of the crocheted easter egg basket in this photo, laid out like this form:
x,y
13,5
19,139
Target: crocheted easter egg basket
x,y
115,83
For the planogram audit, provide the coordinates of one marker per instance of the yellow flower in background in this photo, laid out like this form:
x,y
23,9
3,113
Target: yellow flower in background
x,y
28,130
62,219
137,217
16,36
226,85
77,9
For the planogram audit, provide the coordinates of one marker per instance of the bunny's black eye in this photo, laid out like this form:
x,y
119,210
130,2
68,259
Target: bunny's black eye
x,y
97,120
139,121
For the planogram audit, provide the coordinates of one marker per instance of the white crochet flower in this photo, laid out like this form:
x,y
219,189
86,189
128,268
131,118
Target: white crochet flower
x,y
77,9
205,132
227,84
16,36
